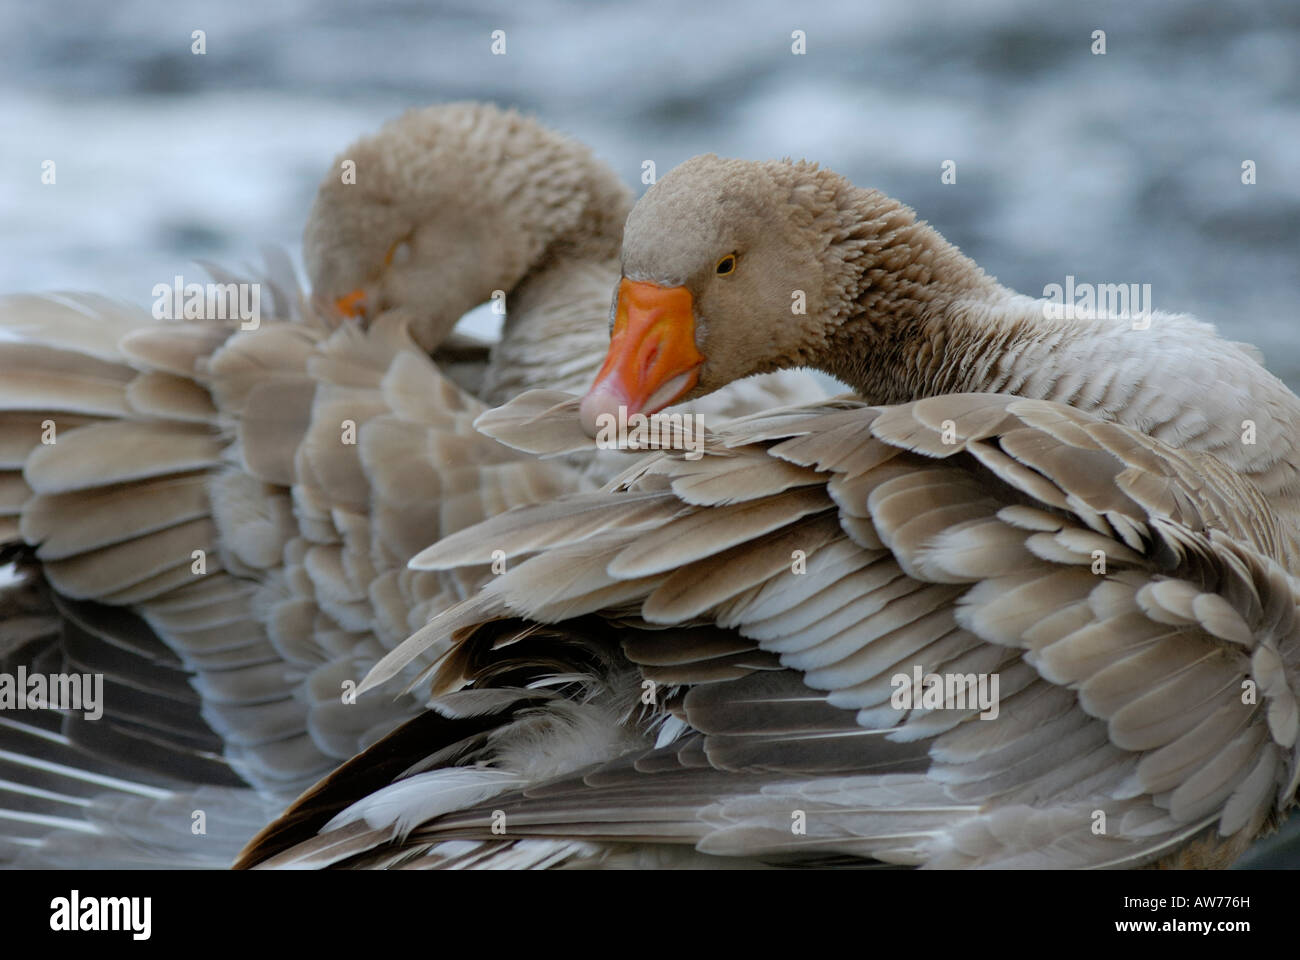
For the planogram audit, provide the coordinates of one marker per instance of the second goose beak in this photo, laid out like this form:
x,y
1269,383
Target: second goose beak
x,y
352,304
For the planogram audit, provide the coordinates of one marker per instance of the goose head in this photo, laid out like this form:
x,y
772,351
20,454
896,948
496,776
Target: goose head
x,y
380,243
449,206
367,256
732,268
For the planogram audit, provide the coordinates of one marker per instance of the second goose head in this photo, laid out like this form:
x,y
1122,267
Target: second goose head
x,y
449,206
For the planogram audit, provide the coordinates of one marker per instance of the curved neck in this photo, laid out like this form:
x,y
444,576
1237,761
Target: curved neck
x,y
895,288
556,331
920,319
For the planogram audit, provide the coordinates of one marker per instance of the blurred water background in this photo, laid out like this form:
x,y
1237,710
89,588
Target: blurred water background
x,y
1117,168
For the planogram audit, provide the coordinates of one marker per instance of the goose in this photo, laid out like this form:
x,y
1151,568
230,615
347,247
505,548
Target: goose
x,y
1026,599
216,515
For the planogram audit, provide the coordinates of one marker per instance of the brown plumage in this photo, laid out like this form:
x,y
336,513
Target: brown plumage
x,y
1068,506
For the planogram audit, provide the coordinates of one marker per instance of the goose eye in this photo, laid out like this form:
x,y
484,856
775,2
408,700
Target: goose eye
x,y
726,265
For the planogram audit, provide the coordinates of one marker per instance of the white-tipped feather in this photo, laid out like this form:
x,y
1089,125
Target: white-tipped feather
x,y
403,806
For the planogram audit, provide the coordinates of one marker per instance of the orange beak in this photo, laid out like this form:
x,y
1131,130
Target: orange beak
x,y
352,304
652,359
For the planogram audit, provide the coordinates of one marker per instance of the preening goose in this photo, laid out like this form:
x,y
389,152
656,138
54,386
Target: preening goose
x,y
751,653
216,514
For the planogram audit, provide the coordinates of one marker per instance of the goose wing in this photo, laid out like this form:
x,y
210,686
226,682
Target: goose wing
x,y
1129,598
218,520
